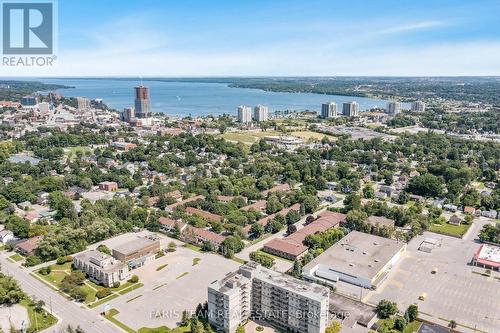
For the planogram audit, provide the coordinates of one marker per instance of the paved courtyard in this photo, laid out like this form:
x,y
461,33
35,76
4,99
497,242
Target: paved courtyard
x,y
455,292
169,291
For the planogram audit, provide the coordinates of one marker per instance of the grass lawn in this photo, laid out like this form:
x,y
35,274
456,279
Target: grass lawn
x,y
196,261
193,247
182,275
275,257
312,135
71,151
103,301
110,316
159,268
247,137
133,298
158,287
16,257
450,229
38,320
412,327
90,294
122,286
55,278
165,329
64,267
127,290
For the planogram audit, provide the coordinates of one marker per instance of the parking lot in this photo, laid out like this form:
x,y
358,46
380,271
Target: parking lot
x,y
456,292
169,290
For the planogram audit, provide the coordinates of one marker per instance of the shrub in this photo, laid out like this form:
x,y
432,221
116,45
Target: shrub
x,y
63,260
32,261
134,279
104,249
45,270
262,258
386,308
101,293
116,284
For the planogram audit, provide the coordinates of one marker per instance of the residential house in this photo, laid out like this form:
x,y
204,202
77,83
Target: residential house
x,y
28,246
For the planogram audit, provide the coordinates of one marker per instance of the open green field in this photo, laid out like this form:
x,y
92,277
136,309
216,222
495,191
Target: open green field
x,y
70,152
247,137
55,278
312,135
450,229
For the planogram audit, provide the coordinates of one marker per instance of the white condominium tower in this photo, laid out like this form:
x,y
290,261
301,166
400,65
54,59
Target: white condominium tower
x,y
260,113
244,114
393,108
418,106
328,110
260,293
83,103
350,109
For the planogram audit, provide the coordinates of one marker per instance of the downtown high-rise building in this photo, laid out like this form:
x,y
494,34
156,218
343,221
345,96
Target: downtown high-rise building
x,y
418,106
328,110
263,294
393,108
128,114
83,103
350,109
260,113
244,114
142,102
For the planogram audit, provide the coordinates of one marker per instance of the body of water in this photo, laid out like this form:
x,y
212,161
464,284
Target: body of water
x,y
199,99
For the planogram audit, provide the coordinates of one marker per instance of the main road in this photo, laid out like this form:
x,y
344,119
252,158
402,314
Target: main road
x,y
69,313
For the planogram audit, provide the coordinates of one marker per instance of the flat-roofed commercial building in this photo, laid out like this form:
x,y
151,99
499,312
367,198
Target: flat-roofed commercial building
x,y
260,293
487,256
138,252
358,258
101,268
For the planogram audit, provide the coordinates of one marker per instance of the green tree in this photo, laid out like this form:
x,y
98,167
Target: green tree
x,y
426,185
386,309
411,313
368,192
297,269
335,327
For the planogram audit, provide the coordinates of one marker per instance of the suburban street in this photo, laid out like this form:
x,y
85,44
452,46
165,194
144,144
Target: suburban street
x,y
68,312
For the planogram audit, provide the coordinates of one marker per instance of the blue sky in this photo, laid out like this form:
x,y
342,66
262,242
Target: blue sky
x,y
276,37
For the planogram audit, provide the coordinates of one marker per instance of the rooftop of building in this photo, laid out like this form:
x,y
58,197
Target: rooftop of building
x,y
135,245
358,254
293,244
488,254
288,282
99,259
